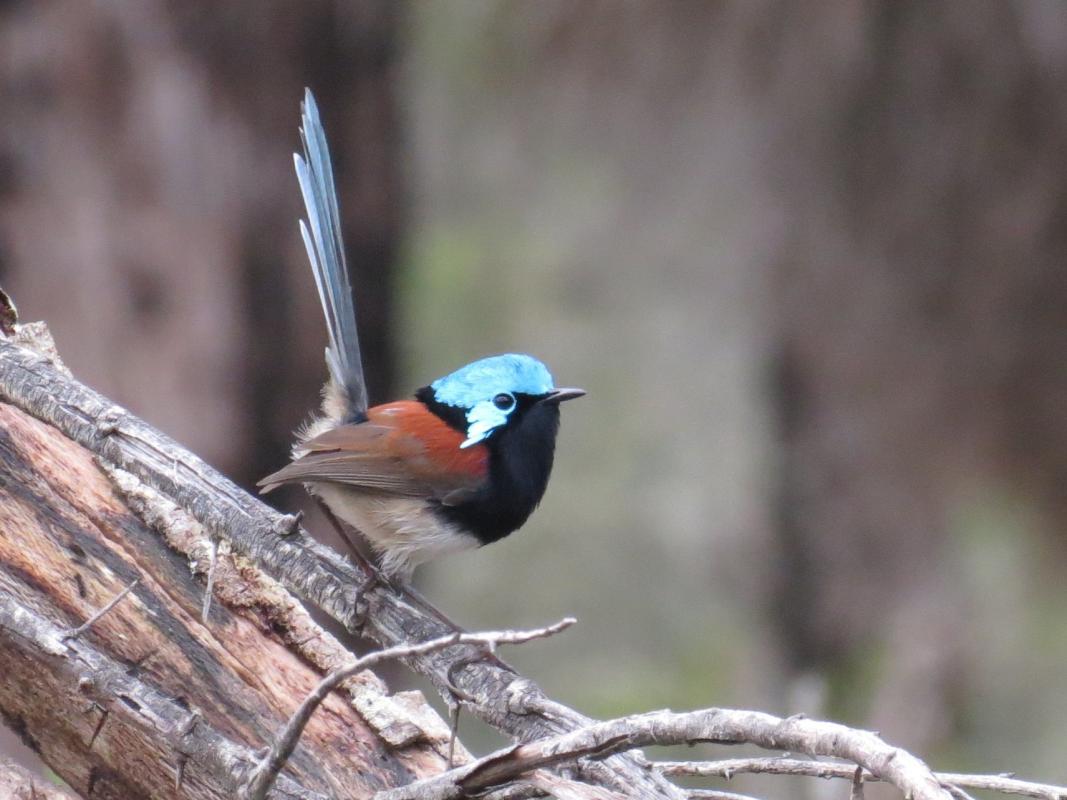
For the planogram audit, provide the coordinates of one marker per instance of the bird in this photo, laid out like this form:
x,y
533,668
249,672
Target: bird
x,y
460,464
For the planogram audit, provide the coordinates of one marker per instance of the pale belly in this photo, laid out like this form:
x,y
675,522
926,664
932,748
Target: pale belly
x,y
403,531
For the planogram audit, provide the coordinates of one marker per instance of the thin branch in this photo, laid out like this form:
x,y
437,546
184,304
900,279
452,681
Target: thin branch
x,y
727,768
566,789
1005,784
209,589
263,776
958,793
716,794
74,633
856,791
719,725
453,731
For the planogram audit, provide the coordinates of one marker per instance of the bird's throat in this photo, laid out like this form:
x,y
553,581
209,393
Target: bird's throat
x,y
520,463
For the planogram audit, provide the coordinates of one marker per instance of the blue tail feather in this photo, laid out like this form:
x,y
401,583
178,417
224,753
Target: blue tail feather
x,y
322,238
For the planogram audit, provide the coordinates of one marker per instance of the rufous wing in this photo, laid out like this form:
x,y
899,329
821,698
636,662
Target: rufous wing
x,y
402,449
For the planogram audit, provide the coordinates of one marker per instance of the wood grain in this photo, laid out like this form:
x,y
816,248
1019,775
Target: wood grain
x,y
68,544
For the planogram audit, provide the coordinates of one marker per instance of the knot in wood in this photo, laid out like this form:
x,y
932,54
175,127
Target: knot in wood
x,y
518,695
288,524
108,422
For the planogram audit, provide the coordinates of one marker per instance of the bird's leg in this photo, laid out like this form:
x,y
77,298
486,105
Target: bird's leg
x,y
373,574
376,578
364,563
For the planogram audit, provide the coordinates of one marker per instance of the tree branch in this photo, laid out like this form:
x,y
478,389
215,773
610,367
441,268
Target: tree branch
x,y
727,768
285,743
491,690
194,508
718,725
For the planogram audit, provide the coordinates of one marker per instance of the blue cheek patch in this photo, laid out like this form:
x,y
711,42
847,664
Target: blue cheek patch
x,y
483,419
474,386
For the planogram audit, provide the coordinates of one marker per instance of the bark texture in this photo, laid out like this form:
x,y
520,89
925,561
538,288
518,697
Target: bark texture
x,y
146,463
150,690
16,783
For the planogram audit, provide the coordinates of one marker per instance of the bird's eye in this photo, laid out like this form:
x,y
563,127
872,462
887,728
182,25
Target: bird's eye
x,y
503,401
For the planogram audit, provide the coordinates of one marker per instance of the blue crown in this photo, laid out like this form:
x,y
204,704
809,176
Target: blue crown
x,y
487,377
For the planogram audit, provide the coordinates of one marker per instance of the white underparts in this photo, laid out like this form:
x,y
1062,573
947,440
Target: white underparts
x,y
403,531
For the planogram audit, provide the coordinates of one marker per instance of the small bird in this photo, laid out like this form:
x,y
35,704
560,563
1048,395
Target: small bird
x,y
461,465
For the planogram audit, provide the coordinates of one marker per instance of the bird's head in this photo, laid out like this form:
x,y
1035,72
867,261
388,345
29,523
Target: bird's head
x,y
495,393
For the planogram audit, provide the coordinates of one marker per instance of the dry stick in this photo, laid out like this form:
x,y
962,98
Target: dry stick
x,y
719,725
453,731
958,793
716,794
209,589
263,776
727,768
74,633
856,792
546,783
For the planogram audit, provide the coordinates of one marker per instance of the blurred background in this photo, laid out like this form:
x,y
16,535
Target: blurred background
x,y
808,260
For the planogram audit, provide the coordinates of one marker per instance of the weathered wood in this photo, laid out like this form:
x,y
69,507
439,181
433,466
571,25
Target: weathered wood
x,y
108,711
17,783
491,690
103,729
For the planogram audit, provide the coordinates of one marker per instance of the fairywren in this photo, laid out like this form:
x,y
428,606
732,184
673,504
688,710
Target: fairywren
x,y
462,465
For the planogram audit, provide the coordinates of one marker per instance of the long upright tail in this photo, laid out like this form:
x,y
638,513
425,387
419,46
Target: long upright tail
x,y
327,255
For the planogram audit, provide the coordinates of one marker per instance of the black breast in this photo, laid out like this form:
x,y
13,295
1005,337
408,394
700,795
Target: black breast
x,y
520,462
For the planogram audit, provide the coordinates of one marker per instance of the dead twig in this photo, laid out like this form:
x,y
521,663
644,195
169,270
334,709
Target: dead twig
x,y
723,726
727,768
262,778
856,791
74,633
9,315
209,589
566,788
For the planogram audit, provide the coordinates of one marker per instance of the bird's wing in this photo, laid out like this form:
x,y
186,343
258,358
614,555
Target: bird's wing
x,y
402,449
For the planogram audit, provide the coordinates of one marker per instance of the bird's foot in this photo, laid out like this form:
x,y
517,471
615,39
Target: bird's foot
x,y
376,578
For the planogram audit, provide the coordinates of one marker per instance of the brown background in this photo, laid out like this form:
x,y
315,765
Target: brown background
x,y
808,259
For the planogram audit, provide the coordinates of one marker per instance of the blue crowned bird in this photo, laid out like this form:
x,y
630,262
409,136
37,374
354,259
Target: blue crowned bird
x,y
461,465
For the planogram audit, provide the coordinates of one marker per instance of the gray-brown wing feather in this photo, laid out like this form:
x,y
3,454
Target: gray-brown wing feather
x,y
405,473
351,469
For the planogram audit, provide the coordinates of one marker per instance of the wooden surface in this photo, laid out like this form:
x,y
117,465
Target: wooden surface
x,y
68,544
18,783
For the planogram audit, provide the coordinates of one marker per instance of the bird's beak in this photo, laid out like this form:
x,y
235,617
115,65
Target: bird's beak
x,y
559,395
